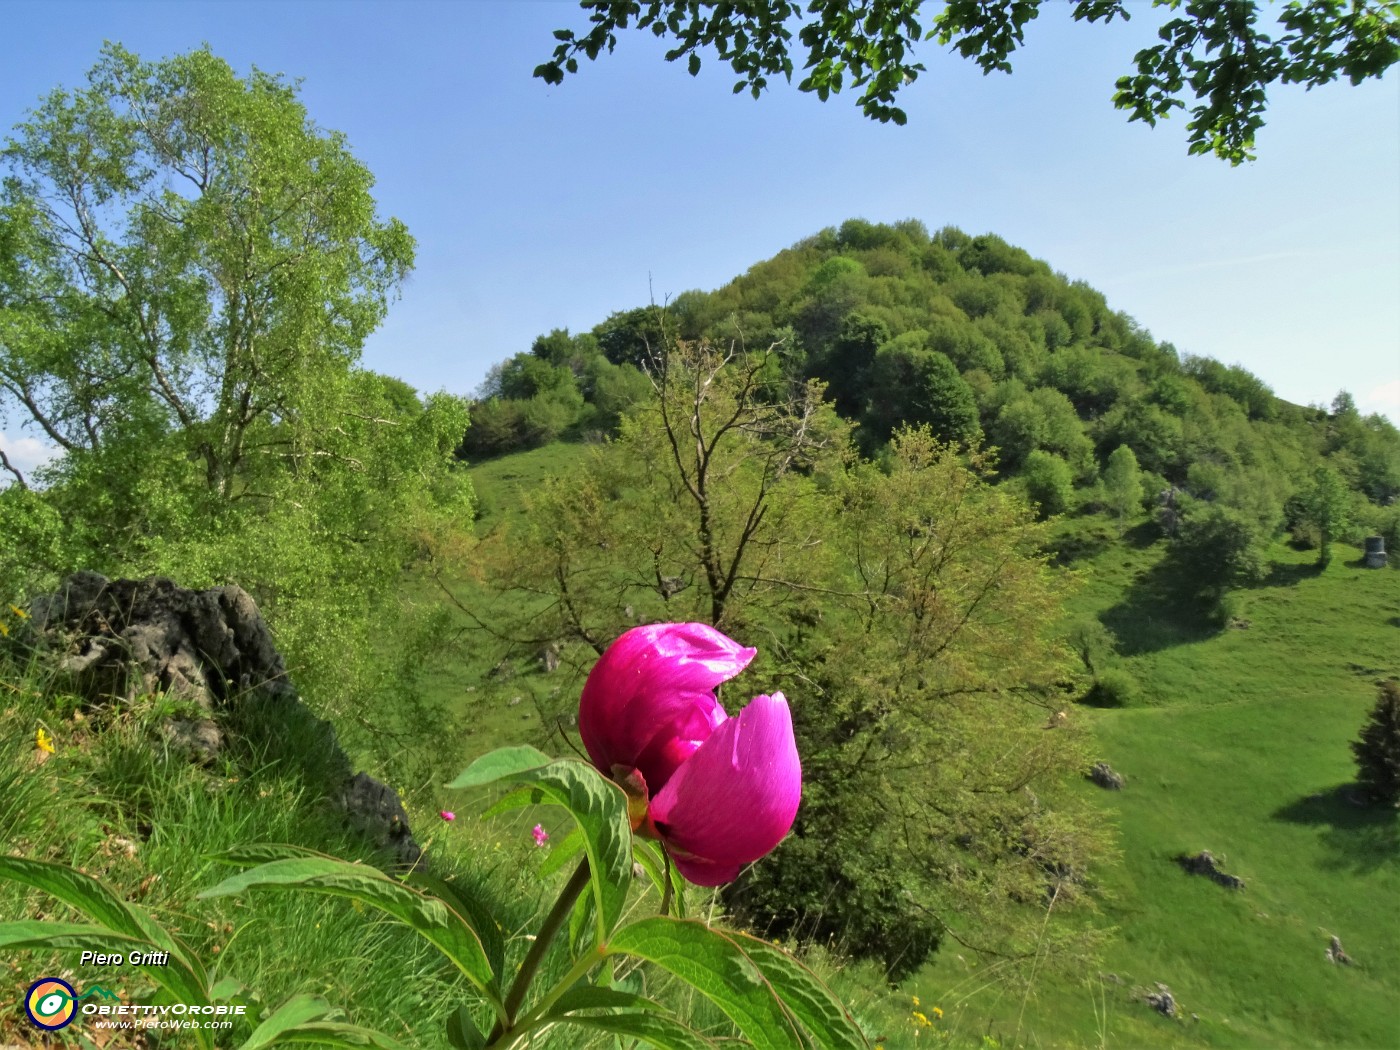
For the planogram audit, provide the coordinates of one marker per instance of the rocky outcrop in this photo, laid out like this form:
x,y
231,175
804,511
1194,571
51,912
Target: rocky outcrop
x,y
1203,863
114,640
1106,777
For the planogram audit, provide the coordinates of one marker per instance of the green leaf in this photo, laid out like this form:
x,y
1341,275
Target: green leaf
x,y
563,851
822,1014
262,852
430,917
597,804
499,765
716,967
336,1033
303,1019
477,915
656,1030
649,856
60,936
462,1032
591,997
103,906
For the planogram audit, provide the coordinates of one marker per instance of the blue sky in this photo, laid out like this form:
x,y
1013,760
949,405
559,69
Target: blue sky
x,y
538,207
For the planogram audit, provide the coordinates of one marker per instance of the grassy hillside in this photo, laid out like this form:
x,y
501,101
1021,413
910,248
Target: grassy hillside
x,y
1238,746
1236,743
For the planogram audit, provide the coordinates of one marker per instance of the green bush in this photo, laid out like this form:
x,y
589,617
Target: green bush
x,y
1377,750
1113,687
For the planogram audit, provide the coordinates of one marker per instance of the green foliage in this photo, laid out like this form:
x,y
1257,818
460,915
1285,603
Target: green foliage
x,y
189,268
1113,687
1122,482
1222,55
911,384
1217,548
1377,750
1049,482
1327,504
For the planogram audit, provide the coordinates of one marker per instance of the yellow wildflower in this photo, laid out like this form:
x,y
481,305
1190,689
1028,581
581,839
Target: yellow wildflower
x,y
937,1014
43,741
19,612
4,631
921,1020
916,1000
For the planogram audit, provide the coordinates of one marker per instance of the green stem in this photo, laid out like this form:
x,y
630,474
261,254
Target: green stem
x,y
552,923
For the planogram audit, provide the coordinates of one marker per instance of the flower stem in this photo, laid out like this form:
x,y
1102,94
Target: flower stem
x,y
550,928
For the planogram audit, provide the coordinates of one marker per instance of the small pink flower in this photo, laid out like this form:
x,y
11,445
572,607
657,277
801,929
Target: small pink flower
x,y
721,792
447,814
541,836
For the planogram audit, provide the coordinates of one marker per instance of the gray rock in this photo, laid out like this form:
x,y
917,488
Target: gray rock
x,y
1336,954
119,639
1162,1001
1204,863
1106,777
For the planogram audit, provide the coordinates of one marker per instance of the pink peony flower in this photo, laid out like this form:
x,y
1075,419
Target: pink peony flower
x,y
721,792
447,814
541,836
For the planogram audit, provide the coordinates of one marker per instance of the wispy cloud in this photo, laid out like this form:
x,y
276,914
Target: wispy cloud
x,y
1384,398
25,453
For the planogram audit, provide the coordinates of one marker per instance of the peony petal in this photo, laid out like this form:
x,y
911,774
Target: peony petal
x,y
736,796
704,872
653,680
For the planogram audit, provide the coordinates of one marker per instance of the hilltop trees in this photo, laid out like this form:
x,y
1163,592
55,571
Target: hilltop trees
x,y
1219,52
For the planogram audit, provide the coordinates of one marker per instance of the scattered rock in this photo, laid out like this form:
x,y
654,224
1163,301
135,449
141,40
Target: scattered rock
x,y
1162,1000
1204,864
374,810
1106,777
549,657
1058,720
514,700
197,739
1336,954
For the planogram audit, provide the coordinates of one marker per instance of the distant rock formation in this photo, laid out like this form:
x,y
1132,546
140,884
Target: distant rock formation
x,y
1162,1000
1204,864
118,639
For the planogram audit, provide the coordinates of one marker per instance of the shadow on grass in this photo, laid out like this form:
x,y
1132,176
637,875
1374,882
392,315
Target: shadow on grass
x,y
1290,575
1157,612
1360,837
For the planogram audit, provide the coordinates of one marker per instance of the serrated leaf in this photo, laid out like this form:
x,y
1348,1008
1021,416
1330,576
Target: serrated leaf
x,y
461,900
716,967
429,917
656,1030
499,765
262,852
823,1015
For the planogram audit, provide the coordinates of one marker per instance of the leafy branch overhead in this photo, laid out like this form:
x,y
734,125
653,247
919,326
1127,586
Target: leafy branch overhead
x,y
1215,52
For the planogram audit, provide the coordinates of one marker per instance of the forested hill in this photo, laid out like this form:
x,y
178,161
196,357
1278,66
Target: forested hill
x,y
984,343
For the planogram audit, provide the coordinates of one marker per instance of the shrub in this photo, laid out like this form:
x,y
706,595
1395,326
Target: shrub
x,y
1377,750
1049,483
1113,688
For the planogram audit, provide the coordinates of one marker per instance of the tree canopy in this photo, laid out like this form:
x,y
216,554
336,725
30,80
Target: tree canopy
x,y
1216,54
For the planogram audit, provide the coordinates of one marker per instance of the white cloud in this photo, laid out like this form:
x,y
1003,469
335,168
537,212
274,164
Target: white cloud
x,y
25,453
1384,399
